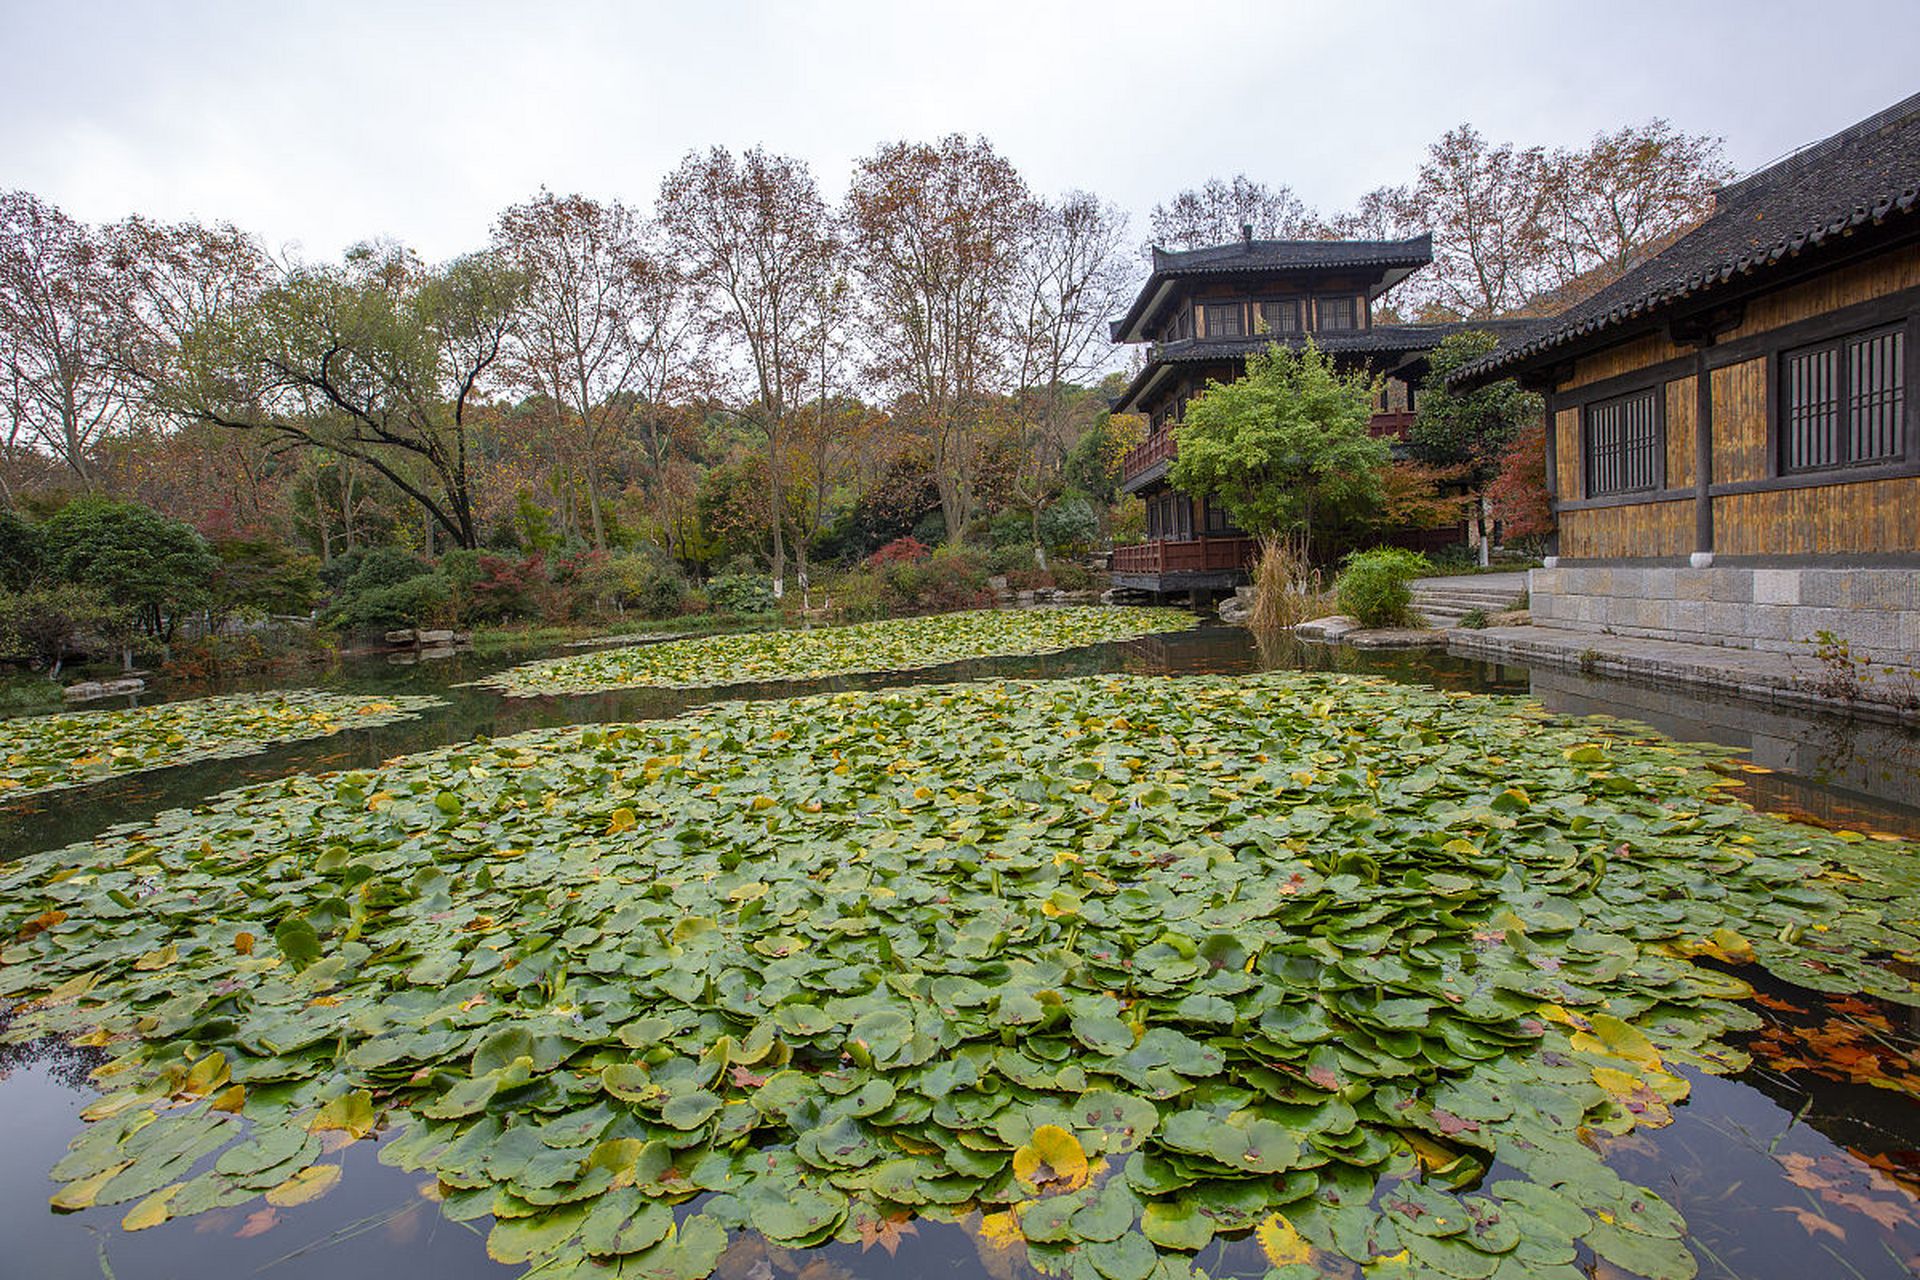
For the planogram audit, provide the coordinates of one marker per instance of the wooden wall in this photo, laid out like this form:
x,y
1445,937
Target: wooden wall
x,y
1845,517
1625,358
1740,422
1641,529
1566,454
1833,519
1863,281
1681,404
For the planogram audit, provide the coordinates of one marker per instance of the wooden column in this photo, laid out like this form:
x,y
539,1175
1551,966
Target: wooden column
x,y
1702,454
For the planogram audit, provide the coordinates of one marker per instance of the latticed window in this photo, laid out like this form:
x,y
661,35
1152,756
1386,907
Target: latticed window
x,y
1623,444
1844,402
1281,315
1226,320
1334,313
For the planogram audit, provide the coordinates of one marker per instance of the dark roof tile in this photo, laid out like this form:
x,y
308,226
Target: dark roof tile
x,y
1863,178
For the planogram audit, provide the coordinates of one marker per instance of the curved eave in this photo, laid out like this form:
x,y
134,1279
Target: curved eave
x,y
1748,273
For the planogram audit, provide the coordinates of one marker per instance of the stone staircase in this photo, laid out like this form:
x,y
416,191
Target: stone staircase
x,y
1444,601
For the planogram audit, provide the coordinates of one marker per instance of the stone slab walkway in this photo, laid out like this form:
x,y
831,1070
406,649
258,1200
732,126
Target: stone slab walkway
x,y
1779,679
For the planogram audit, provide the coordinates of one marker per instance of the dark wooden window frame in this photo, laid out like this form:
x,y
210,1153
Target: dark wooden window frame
x,y
1353,304
1900,307
1655,394
1236,305
1835,331
1778,373
1260,306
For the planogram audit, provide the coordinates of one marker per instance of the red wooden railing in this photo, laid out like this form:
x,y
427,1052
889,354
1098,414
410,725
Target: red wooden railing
x,y
1158,447
1197,555
1393,425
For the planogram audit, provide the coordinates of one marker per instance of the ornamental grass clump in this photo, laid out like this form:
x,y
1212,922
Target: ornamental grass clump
x,y
1326,970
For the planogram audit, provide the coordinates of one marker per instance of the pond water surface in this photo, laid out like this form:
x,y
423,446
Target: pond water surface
x,y
1805,1165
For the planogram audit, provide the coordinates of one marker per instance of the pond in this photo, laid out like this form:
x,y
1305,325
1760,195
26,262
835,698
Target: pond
x,y
1801,1164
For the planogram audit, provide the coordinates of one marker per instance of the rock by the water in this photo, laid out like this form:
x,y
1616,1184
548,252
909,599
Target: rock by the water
x,y
87,689
1326,628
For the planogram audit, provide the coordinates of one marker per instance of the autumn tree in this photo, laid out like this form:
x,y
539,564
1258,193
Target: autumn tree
x,y
1485,206
1073,275
59,332
937,231
1214,212
1626,193
597,303
382,360
1469,431
757,241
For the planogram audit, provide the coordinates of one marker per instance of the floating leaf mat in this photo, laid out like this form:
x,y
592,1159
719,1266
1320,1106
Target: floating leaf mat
x,y
1103,968
74,748
896,644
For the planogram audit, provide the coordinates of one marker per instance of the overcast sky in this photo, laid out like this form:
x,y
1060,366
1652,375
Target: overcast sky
x,y
318,124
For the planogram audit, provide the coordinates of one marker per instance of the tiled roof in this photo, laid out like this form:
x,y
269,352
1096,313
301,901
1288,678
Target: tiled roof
x,y
1864,181
1382,339
1242,257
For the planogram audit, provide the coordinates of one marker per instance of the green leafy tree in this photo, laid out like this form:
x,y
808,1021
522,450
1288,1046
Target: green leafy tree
x,y
1469,431
42,623
1284,447
137,558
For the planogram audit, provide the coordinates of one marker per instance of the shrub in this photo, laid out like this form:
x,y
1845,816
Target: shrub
x,y
20,552
373,567
509,589
741,593
258,576
1010,529
630,580
1017,558
1474,620
1071,575
908,550
1372,587
422,599
1069,523
860,596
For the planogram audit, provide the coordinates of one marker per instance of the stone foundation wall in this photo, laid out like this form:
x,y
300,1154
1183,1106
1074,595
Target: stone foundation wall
x,y
1876,611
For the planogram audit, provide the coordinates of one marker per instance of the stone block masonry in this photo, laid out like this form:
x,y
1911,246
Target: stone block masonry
x,y
1876,611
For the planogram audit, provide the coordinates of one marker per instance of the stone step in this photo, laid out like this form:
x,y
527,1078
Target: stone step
x,y
1493,604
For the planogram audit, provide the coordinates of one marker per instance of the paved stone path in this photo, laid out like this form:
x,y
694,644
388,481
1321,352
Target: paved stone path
x,y
1792,680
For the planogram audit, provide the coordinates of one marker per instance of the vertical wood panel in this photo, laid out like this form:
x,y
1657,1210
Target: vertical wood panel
x,y
1625,358
1878,516
1566,426
1680,428
1642,529
1860,282
1740,422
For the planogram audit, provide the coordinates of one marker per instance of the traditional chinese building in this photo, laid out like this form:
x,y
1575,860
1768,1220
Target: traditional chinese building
x,y
1732,443
1202,312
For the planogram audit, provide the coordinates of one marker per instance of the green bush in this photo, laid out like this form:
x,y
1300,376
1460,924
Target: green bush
x,y
417,601
741,593
1071,575
1013,558
860,596
1372,587
1010,529
633,581
374,567
1069,523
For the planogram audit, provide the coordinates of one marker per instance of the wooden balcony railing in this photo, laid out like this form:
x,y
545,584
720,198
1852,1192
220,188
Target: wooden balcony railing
x,y
1158,447
1196,555
1394,426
